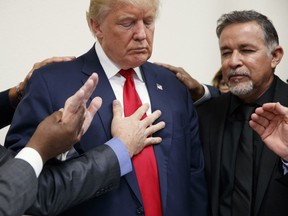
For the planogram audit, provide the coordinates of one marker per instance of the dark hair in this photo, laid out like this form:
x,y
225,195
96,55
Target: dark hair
x,y
269,31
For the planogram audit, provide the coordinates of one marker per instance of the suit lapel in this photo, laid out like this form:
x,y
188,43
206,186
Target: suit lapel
x,y
103,89
160,100
267,165
215,146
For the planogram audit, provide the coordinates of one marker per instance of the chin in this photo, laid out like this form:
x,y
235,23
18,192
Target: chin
x,y
139,60
240,90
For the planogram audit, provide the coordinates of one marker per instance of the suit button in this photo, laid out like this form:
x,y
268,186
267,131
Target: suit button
x,y
140,211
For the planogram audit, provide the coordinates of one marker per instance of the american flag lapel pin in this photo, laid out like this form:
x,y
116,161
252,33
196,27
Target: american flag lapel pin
x,y
159,87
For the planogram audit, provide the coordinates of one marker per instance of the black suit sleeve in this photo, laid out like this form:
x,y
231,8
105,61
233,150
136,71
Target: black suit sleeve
x,y
6,110
214,92
66,184
18,184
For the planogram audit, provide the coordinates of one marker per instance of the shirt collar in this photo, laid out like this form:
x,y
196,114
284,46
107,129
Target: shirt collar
x,y
109,67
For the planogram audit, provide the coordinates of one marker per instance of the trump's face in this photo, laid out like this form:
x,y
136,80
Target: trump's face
x,y
126,34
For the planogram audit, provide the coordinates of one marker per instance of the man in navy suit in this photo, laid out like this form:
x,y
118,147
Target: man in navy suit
x,y
124,32
99,169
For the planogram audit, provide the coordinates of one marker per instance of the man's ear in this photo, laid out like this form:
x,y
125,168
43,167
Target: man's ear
x,y
95,27
277,55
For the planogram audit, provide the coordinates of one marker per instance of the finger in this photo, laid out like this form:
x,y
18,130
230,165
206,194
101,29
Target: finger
x,y
117,109
138,114
51,60
269,106
80,134
154,128
71,107
163,64
82,95
78,116
261,120
54,59
170,67
76,121
175,70
151,118
281,109
265,114
74,102
257,127
276,108
28,76
180,76
95,105
152,141
59,59
90,113
89,86
85,92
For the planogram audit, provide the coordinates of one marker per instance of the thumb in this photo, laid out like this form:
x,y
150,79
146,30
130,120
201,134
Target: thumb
x,y
117,108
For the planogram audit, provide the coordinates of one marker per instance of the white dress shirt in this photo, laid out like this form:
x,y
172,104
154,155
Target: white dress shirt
x,y
117,81
32,157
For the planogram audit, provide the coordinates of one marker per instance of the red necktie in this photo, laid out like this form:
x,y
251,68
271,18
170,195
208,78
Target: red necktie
x,y
145,162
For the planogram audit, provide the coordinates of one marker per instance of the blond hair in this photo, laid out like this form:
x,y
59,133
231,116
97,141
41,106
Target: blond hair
x,y
98,9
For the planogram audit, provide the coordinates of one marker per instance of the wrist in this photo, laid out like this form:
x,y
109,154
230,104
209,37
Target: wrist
x,y
36,147
198,92
31,156
19,92
15,95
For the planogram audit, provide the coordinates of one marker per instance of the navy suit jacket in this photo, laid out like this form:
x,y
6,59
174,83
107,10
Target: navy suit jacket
x,y
179,156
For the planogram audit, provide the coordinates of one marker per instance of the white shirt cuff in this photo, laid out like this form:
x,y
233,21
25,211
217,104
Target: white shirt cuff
x,y
32,157
285,166
205,97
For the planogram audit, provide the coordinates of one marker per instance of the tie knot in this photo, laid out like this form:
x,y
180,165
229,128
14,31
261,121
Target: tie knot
x,y
128,74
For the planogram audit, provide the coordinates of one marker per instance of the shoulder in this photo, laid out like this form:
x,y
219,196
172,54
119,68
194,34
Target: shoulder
x,y
213,104
161,71
164,76
280,84
67,68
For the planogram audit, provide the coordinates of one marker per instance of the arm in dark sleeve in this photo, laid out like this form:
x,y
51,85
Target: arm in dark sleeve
x,y
210,93
214,92
6,109
66,184
18,184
